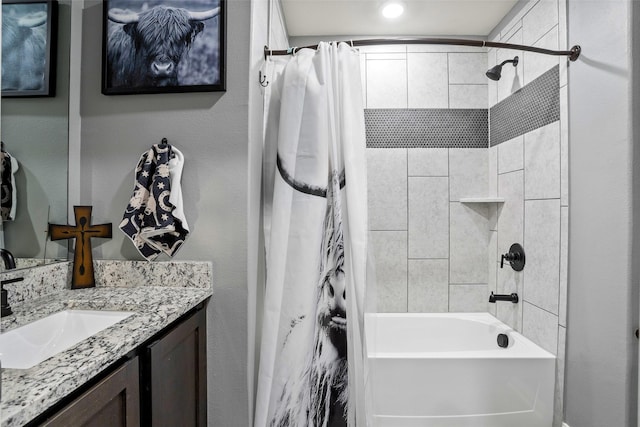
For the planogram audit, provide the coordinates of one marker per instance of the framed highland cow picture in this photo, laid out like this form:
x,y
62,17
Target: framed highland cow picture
x,y
29,36
163,46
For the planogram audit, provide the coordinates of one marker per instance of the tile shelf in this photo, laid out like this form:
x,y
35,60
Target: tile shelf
x,y
482,200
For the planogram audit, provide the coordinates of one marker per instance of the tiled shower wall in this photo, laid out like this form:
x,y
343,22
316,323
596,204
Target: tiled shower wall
x,y
435,253
424,76
430,249
530,171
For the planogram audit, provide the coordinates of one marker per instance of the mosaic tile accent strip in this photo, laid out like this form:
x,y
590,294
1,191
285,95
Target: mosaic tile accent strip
x,y
532,107
426,128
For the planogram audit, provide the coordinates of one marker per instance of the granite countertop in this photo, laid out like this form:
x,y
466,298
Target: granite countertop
x,y
26,393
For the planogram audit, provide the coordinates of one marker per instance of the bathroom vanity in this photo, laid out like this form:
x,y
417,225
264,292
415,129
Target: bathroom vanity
x,y
147,369
162,383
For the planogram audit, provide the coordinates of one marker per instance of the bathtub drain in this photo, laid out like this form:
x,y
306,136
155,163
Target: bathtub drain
x,y
503,340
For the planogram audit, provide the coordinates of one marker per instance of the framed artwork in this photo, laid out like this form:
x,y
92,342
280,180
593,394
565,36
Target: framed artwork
x,y
29,36
161,46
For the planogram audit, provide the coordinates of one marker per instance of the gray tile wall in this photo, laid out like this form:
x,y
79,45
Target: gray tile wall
x,y
531,169
430,249
435,253
424,76
531,172
390,257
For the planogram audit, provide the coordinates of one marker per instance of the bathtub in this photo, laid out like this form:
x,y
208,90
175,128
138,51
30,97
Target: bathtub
x,y
447,370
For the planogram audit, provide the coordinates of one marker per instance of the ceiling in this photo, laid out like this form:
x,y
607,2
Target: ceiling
x,y
421,17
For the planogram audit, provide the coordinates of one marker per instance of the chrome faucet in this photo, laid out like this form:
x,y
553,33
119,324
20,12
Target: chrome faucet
x,y
9,264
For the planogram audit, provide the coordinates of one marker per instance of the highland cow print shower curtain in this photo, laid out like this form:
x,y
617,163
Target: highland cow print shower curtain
x,y
311,370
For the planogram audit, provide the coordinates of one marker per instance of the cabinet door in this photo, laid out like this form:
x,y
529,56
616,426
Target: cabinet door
x,y
113,402
178,383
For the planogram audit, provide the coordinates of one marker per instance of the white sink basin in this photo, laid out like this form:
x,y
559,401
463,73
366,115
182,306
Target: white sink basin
x,y
28,345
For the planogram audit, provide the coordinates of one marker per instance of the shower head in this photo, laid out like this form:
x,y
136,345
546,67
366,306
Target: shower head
x,y
495,72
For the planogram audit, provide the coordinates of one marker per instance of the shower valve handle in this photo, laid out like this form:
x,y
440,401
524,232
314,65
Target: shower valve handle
x,y
515,257
510,257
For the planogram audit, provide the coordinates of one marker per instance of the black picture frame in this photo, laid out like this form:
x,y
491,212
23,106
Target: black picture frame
x,y
191,59
29,48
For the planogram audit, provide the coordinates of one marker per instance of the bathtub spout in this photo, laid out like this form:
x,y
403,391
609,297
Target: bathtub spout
x,y
503,297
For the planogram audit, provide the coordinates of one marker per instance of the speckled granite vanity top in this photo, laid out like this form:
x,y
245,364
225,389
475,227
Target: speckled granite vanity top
x,y
162,299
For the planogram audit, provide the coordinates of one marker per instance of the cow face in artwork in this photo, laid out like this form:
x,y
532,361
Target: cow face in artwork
x,y
23,51
331,313
332,308
156,40
318,394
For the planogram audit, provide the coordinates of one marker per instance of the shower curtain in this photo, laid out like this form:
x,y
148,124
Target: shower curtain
x,y
312,371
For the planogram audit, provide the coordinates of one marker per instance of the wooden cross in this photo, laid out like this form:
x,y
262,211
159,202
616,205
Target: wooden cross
x,y
82,232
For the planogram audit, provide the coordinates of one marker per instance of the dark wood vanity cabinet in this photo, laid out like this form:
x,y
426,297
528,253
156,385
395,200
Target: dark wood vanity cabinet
x,y
114,401
174,375
163,384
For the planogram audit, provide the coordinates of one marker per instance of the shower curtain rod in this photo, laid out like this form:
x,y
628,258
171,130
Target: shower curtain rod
x,y
573,54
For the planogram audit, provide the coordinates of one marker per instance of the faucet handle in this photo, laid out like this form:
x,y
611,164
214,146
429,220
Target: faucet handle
x,y
5,308
515,257
9,260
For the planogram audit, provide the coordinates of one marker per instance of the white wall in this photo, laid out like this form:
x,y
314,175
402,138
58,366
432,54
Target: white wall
x,y
601,381
211,129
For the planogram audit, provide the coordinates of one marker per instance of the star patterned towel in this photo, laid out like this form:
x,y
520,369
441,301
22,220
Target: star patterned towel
x,y
9,166
154,218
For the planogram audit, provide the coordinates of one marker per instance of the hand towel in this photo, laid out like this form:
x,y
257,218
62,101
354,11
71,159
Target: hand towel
x,y
154,219
9,166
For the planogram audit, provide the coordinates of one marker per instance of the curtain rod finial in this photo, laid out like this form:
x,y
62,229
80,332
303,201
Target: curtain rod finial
x,y
575,52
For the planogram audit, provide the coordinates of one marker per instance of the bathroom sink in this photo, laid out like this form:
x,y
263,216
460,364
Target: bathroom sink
x,y
28,345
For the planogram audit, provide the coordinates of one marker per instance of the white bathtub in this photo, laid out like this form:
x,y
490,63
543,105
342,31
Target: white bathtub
x,y
447,370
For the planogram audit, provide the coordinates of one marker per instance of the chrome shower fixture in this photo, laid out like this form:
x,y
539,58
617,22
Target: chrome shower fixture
x,y
495,72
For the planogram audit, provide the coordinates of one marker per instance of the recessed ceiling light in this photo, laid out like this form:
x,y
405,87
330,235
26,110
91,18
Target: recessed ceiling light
x,y
392,9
